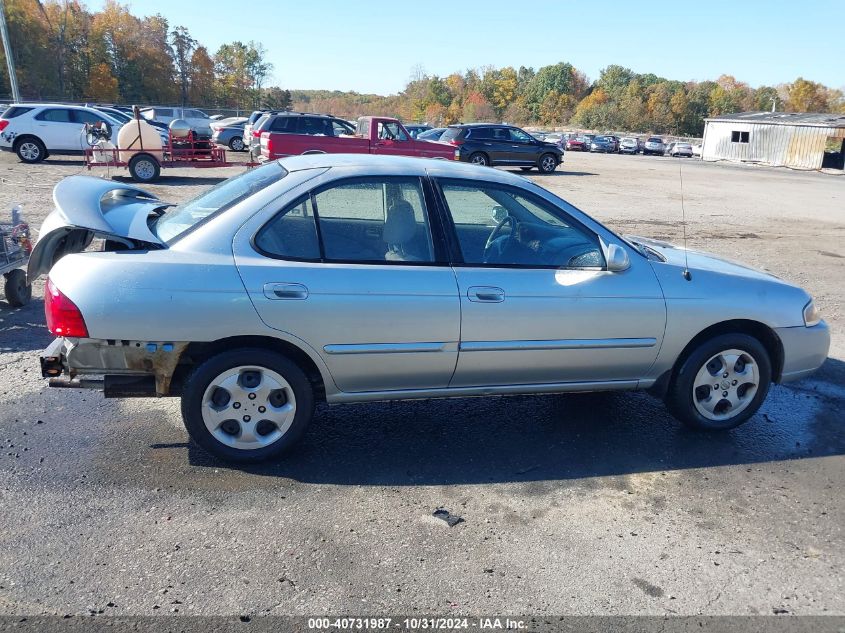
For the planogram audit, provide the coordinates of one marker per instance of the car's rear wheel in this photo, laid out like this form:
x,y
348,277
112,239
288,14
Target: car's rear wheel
x,y
479,158
236,144
144,168
30,150
722,383
547,163
247,405
18,291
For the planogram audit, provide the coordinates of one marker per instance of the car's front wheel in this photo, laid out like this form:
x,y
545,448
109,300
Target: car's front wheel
x,y
722,383
236,144
547,163
247,405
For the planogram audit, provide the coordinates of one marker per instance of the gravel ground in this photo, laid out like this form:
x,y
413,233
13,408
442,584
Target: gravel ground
x,y
576,504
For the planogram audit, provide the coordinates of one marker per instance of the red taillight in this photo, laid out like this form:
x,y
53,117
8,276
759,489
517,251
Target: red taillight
x,y
455,141
256,133
63,317
3,124
268,145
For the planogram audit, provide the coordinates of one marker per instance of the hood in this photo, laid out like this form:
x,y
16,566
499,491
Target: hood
x,y
87,207
698,260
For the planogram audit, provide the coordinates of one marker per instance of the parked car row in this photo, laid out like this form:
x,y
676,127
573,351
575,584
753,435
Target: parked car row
x,y
610,144
34,131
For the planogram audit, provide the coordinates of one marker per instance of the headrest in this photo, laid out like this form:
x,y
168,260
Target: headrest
x,y
400,225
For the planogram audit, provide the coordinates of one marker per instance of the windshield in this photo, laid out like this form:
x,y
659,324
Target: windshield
x,y
228,193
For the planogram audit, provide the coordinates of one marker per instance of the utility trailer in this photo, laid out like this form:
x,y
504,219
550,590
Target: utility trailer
x,y
15,247
145,165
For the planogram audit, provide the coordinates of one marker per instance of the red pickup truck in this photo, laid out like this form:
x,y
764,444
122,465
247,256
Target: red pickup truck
x,y
374,135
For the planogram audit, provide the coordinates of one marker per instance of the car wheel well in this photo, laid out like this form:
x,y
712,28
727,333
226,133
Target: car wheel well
x,y
23,137
196,353
760,331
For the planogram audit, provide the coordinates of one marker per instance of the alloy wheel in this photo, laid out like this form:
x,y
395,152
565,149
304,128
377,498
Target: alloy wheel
x,y
30,151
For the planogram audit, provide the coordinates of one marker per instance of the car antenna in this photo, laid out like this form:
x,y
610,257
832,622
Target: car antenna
x,y
686,272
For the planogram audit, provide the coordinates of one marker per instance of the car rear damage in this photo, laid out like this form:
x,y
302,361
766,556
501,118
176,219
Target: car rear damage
x,y
120,369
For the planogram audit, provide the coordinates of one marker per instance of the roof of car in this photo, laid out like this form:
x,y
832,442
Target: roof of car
x,y
398,165
52,105
464,125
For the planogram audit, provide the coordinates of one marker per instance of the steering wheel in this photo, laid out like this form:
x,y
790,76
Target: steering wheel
x,y
508,219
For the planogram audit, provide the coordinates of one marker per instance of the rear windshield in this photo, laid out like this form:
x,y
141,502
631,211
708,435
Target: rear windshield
x,y
450,134
654,139
179,220
14,111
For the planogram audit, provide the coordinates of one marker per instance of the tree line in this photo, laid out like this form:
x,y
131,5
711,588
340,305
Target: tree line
x,y
559,95
63,51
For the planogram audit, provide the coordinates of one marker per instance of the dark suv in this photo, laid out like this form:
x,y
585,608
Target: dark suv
x,y
493,144
297,123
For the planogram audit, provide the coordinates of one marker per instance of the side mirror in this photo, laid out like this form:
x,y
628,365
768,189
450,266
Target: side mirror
x,y
617,259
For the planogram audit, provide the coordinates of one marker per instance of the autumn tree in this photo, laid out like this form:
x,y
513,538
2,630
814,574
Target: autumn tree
x,y
201,88
806,96
183,46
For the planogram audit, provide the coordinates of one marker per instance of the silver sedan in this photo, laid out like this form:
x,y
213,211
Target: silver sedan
x,y
344,278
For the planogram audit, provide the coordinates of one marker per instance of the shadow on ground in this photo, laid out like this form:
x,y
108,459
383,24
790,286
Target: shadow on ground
x,y
174,180
23,329
544,438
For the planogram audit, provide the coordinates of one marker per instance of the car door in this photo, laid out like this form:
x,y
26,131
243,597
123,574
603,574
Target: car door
x,y
57,129
353,269
392,138
538,305
525,148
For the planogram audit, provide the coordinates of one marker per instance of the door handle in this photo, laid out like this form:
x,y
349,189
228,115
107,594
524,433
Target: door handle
x,y
285,291
485,294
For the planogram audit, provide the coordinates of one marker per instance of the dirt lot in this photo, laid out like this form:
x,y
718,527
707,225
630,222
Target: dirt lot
x,y
571,504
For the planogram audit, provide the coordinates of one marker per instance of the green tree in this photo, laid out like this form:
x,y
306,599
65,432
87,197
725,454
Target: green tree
x,y
183,48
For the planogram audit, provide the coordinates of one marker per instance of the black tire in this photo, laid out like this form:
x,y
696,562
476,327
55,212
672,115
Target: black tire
x,y
202,376
18,291
30,149
680,395
144,168
236,144
547,163
479,158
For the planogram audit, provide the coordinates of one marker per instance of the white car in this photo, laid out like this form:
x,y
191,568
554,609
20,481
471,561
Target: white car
x,y
680,149
197,119
34,131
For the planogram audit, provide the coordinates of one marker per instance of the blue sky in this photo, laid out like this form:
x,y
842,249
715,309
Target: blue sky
x,y
372,46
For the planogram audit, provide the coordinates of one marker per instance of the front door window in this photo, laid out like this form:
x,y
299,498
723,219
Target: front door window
x,y
500,226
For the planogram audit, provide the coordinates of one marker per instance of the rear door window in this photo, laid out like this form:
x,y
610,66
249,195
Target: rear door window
x,y
500,134
375,220
292,234
313,126
83,116
55,115
280,124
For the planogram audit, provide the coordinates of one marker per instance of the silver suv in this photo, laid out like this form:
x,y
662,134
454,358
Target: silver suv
x,y
654,145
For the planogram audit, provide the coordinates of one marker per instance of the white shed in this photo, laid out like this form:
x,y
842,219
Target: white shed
x,y
800,140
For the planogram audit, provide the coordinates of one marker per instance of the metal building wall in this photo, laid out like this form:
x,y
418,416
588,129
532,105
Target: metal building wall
x,y
797,146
